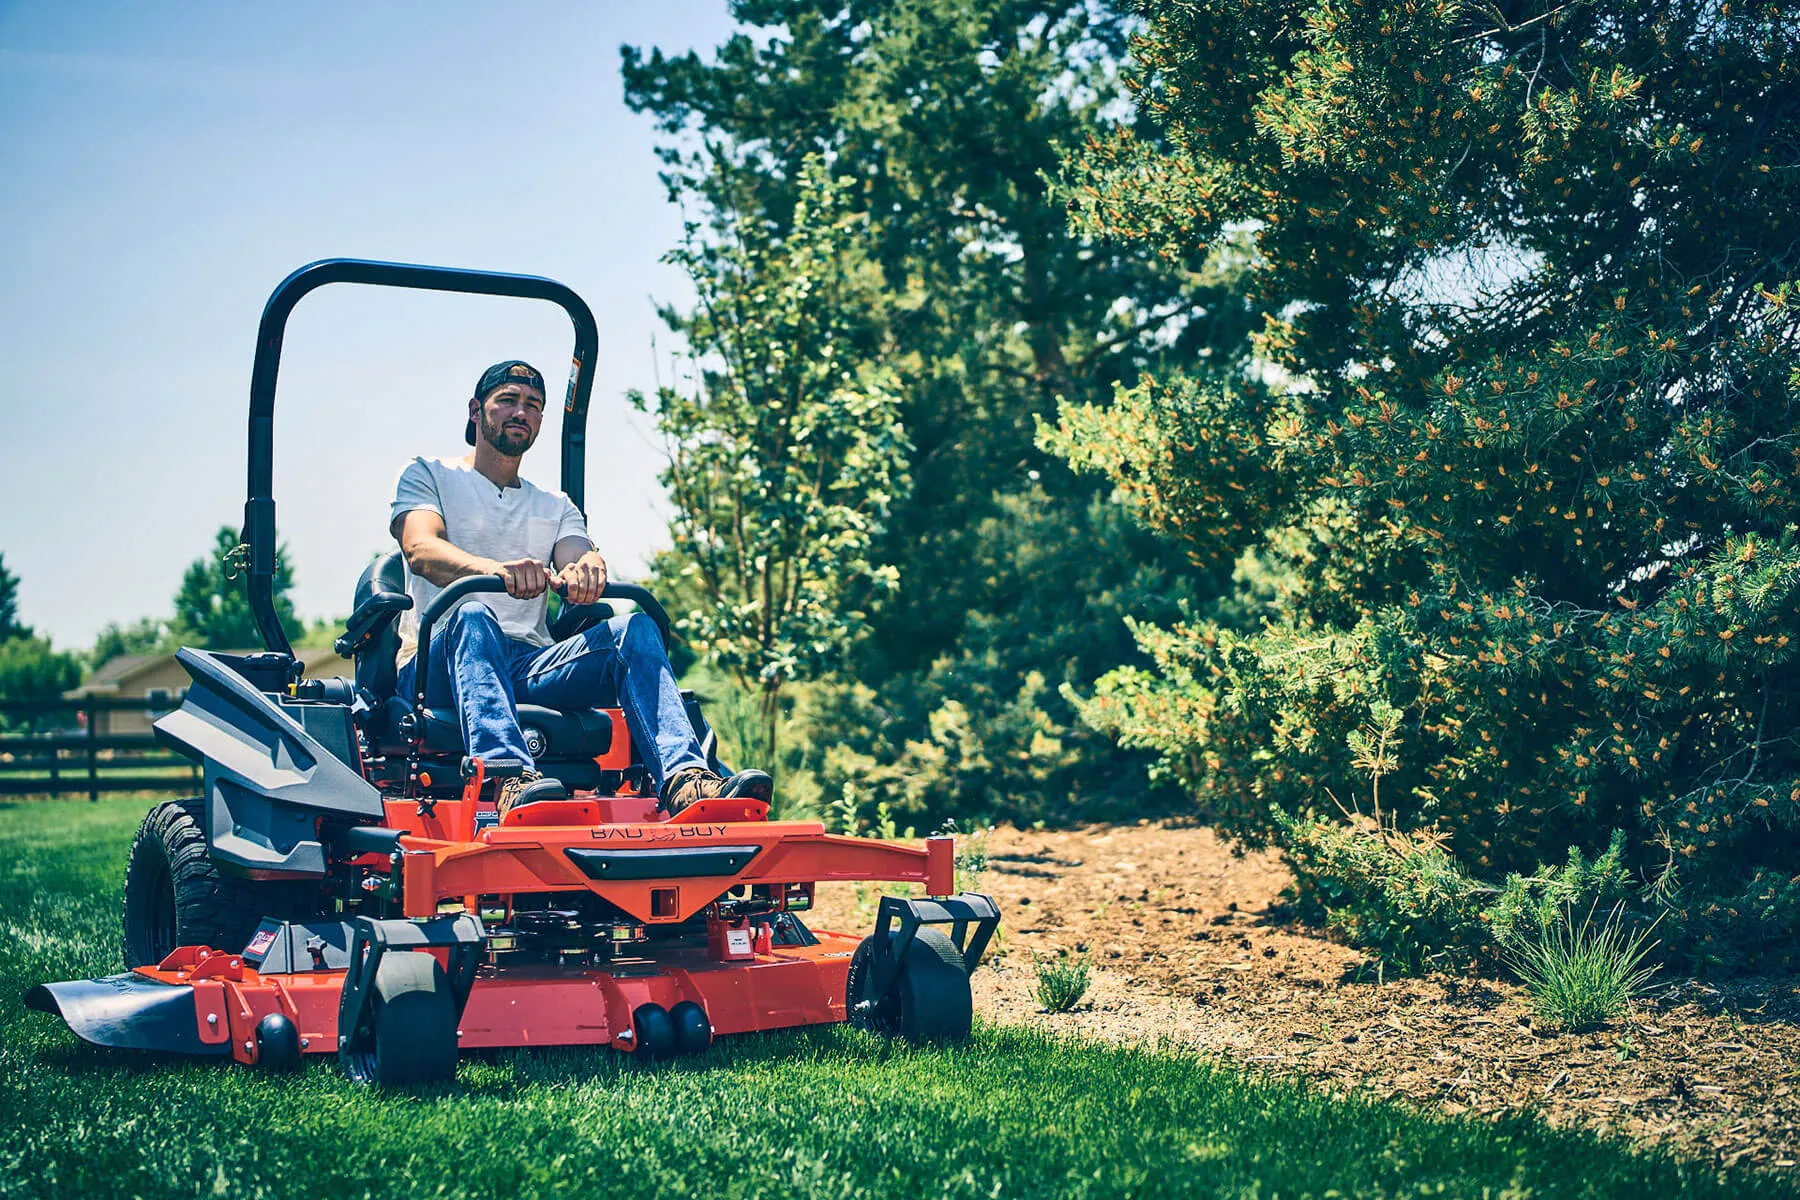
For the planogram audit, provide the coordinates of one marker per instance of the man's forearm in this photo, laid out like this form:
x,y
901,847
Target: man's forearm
x,y
440,561
572,550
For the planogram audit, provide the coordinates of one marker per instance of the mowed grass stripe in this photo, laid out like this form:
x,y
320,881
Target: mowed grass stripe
x,y
826,1112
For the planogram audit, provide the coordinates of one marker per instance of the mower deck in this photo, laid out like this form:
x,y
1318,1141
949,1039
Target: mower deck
x,y
657,870
208,1002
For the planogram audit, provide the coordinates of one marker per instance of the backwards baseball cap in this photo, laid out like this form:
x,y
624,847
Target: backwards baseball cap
x,y
511,371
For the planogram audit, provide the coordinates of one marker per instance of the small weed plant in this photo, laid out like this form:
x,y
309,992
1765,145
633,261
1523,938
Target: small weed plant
x,y
1061,982
844,815
971,853
1582,976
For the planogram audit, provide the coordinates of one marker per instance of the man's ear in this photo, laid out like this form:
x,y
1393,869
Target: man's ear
x,y
475,410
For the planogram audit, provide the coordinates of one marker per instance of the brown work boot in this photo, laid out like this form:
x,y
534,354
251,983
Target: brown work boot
x,y
527,787
685,787
698,783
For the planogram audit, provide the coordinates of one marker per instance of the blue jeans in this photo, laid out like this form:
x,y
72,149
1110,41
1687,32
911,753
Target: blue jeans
x,y
484,675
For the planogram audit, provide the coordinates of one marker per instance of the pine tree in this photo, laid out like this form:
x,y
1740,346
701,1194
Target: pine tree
x,y
1522,437
10,627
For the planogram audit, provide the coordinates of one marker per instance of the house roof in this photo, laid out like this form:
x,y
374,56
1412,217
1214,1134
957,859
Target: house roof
x,y
118,667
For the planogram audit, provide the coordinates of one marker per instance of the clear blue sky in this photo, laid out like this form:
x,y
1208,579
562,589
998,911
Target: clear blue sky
x,y
162,167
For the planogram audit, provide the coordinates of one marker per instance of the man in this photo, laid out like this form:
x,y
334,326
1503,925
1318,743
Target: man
x,y
475,516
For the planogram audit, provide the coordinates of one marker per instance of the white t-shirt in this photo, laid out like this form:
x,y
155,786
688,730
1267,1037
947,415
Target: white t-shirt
x,y
490,521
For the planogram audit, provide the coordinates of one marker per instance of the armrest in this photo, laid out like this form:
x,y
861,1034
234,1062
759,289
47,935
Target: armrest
x,y
371,618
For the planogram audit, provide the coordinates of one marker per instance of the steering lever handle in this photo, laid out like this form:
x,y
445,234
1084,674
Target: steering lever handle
x,y
453,594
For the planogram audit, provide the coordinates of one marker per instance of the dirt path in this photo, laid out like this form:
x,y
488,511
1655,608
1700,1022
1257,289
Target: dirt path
x,y
1190,943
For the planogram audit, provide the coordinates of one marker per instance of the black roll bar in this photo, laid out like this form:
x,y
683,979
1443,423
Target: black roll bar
x,y
259,506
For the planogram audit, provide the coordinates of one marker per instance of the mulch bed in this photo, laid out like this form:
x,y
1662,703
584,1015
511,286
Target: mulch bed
x,y
1191,946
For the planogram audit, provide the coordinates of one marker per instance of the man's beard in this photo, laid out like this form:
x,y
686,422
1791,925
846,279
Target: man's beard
x,y
511,443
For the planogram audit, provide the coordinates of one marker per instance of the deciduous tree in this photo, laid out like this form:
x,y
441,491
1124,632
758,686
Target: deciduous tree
x,y
786,452
142,636
949,114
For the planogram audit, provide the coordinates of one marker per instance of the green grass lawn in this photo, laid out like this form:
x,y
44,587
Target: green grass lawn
x,y
828,1112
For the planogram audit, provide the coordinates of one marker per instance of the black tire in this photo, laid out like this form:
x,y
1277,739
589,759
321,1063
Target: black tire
x,y
928,1000
655,1031
175,896
277,1043
693,1032
413,1024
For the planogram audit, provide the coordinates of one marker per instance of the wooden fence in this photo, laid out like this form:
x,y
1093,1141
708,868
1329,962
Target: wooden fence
x,y
73,756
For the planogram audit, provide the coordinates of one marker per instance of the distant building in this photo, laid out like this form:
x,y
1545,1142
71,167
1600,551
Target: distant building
x,y
159,678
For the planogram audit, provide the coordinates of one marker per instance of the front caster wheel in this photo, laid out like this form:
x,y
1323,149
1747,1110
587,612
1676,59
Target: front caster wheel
x,y
411,1036
928,999
693,1032
655,1031
277,1043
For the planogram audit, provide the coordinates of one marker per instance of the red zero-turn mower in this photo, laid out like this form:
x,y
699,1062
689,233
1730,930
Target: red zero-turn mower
x,y
344,884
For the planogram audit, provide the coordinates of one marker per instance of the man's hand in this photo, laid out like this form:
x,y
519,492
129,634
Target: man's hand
x,y
525,578
584,579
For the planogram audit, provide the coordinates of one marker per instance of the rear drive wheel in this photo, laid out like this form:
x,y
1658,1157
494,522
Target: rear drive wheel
x,y
412,1022
928,999
175,896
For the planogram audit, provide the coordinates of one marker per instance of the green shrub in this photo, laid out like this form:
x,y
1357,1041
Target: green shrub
x,y
1531,905
1406,898
1401,896
1536,487
1581,977
1061,982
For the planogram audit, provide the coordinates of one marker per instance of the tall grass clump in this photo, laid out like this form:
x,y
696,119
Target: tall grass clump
x,y
1061,982
1581,977
738,718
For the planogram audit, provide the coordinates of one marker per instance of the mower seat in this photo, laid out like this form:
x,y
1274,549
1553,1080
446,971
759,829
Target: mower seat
x,y
552,735
549,733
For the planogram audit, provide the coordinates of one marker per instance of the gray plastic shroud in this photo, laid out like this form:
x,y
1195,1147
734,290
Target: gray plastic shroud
x,y
298,948
267,779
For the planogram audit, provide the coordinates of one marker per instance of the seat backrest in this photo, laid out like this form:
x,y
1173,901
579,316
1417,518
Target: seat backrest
x,y
375,666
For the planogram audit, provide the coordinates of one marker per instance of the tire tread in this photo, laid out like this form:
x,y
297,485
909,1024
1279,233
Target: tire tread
x,y
932,962
210,908
418,1045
